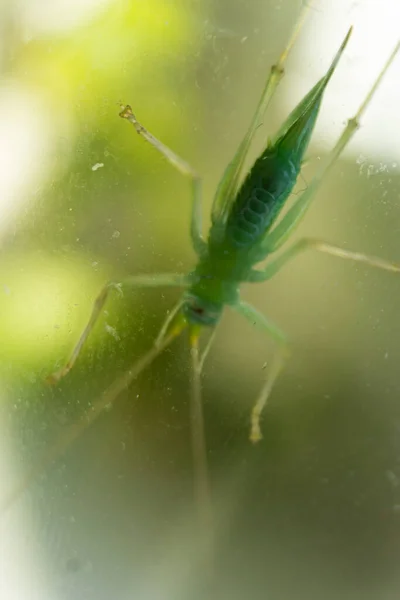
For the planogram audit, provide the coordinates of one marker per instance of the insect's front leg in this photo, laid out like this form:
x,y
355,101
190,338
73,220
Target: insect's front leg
x,y
138,281
107,398
183,167
278,362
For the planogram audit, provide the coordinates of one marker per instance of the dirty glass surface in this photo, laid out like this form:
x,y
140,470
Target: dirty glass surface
x,y
313,511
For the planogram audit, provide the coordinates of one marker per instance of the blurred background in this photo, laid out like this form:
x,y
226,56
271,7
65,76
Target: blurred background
x,y
314,510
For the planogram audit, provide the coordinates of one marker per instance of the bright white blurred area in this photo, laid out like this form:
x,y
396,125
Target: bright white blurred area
x,y
29,133
57,16
375,35
26,146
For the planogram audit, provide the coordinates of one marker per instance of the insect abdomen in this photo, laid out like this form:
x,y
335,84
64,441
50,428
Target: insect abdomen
x,y
260,198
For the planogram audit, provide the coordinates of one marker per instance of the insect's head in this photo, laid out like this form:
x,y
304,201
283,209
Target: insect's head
x,y
198,311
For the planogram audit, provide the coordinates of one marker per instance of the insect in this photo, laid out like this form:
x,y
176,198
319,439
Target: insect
x,y
246,230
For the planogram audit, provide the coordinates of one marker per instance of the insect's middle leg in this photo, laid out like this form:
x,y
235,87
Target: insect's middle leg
x,y
138,281
183,167
278,362
321,246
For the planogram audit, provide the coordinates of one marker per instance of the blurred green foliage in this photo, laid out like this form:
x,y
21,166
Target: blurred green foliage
x,y
314,509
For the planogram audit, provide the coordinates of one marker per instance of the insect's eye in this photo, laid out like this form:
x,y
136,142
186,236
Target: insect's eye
x,y
198,310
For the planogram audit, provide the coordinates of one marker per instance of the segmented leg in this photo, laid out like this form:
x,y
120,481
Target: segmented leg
x,y
321,246
295,214
199,244
202,486
262,323
70,434
171,316
229,183
138,281
199,448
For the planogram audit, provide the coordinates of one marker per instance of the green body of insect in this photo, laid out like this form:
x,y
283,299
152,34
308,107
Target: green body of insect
x,y
238,237
245,230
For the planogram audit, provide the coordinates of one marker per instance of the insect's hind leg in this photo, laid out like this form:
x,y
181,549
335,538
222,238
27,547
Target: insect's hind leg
x,y
183,167
138,281
278,362
295,214
229,184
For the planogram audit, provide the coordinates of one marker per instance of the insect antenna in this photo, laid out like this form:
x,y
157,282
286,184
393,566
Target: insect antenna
x,y
70,434
202,488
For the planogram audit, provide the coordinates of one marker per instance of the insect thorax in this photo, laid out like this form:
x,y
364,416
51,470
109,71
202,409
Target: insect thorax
x,y
212,288
199,311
